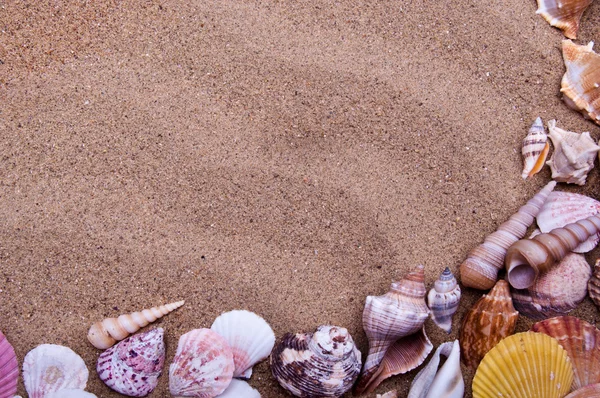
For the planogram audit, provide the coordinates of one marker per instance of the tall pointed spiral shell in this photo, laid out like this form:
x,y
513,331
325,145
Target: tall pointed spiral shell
x,y
480,269
106,333
579,84
443,300
534,149
9,369
563,14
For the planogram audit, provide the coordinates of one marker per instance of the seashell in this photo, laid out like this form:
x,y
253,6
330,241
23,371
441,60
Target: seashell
x,y
593,390
104,334
594,284
49,368
563,14
562,208
527,258
557,291
491,319
581,341
389,394
579,84
239,389
9,369
480,269
573,156
203,365
71,393
132,366
534,149
524,365
399,313
325,363
447,382
443,300
249,336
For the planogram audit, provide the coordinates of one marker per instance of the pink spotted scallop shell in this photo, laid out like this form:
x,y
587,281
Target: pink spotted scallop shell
x,y
9,369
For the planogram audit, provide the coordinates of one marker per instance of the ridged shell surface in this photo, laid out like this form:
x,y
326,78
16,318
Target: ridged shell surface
x,y
534,149
9,369
563,14
132,366
579,83
591,391
249,336
524,365
203,365
491,319
325,363
443,300
239,389
581,341
71,393
594,284
49,368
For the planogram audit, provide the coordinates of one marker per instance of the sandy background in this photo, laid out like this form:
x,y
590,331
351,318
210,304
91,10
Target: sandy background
x,y
289,158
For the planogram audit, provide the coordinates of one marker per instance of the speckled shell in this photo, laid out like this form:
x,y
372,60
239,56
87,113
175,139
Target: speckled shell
x,y
562,208
534,149
491,319
239,389
556,292
132,367
563,14
203,365
325,363
49,368
443,300
480,269
524,365
9,369
594,284
448,382
579,84
581,341
591,391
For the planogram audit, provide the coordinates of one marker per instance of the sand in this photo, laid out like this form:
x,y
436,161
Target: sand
x,y
289,158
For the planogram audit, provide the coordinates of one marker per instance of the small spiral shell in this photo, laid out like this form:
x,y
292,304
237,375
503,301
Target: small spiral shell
x,y
443,300
534,149
105,334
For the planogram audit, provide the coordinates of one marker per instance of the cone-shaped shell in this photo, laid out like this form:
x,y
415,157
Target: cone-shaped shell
x,y
524,365
591,391
105,334
534,149
321,364
491,319
581,341
579,84
480,269
563,14
239,389
594,284
445,383
443,300
132,366
9,369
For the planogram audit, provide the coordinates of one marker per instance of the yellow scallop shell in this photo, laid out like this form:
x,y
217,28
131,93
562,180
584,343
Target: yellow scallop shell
x,y
524,365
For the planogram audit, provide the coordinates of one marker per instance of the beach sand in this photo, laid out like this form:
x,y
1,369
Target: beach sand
x,y
288,158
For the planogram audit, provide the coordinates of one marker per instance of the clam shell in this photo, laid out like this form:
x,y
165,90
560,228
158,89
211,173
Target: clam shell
x,y
562,208
524,365
9,369
594,284
491,319
581,341
203,365
591,391
534,149
71,393
132,367
325,363
239,389
49,368
443,300
563,14
249,336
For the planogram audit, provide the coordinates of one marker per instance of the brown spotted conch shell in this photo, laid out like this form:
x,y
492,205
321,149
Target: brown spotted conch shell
x,y
563,14
105,334
580,83
480,269
534,149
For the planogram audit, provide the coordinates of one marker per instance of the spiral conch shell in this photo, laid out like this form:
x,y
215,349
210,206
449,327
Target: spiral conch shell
x,y
443,300
480,269
445,383
563,14
579,85
105,334
594,284
534,149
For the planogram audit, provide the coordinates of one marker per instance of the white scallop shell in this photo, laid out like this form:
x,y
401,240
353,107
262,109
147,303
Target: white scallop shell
x,y
49,368
239,389
71,393
250,337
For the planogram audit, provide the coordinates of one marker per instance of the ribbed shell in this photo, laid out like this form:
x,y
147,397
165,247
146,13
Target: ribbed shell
x,y
534,149
443,300
591,391
491,319
594,284
563,14
581,341
524,365
579,83
480,269
321,364
9,369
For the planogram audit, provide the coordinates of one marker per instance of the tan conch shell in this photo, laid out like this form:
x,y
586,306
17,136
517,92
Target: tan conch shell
x,y
445,383
573,156
579,85
491,319
443,300
480,269
591,391
534,149
528,258
105,334
563,14
399,313
594,284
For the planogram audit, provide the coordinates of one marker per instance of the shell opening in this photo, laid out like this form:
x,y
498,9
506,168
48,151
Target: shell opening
x,y
521,276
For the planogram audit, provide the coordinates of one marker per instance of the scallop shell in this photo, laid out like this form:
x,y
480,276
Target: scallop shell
x,y
49,368
581,340
480,269
203,365
573,156
9,369
106,333
325,363
71,393
524,365
132,367
563,14
557,291
562,208
591,391
445,383
579,84
594,284
443,300
491,319
239,389
249,336
534,149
